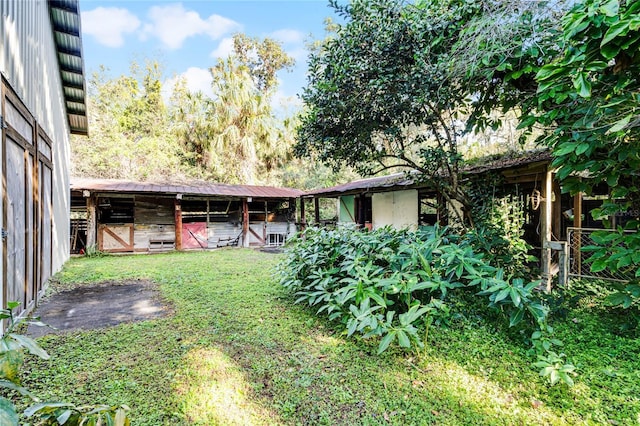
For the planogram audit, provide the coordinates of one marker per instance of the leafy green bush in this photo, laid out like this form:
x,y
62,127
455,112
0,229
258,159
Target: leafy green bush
x,y
12,348
394,284
498,213
617,251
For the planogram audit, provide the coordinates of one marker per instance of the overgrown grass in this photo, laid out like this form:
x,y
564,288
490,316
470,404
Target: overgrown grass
x,y
237,351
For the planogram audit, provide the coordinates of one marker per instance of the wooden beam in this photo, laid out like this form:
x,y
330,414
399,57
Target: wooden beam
x,y
577,223
266,221
178,223
91,222
556,224
316,208
545,231
245,223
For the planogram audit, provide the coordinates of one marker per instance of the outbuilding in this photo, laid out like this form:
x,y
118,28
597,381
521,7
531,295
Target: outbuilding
x,y
131,217
42,102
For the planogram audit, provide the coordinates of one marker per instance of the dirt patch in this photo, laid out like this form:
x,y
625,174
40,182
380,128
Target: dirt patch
x,y
98,306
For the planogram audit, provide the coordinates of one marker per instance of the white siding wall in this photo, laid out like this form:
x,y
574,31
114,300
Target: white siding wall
x,y
29,63
398,209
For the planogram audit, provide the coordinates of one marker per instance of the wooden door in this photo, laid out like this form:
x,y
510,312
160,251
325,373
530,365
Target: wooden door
x,y
16,223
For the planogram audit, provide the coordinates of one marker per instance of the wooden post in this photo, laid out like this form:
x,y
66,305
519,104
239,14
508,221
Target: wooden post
x,y
91,222
316,208
178,221
245,223
545,231
266,222
556,223
577,223
303,219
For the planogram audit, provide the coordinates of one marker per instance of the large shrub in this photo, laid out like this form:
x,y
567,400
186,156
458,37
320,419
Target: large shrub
x,y
394,284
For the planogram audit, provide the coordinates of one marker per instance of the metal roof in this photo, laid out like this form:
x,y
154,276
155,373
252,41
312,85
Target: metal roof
x,y
377,183
198,188
65,21
402,180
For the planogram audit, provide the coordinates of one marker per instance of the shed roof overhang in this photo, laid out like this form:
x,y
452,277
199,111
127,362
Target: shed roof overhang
x,y
65,21
196,189
527,167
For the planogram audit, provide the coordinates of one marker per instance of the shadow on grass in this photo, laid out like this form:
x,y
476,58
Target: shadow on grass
x,y
237,351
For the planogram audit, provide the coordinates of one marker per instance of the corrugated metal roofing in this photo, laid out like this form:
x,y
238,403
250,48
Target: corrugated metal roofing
x,y
377,184
199,188
65,20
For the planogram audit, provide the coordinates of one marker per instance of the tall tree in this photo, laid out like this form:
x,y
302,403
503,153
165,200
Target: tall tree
x,y
589,103
264,58
242,124
129,136
389,91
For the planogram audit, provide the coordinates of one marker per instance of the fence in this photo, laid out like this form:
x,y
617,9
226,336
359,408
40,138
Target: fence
x,y
579,265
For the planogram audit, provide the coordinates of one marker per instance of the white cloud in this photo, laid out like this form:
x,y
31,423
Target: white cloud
x,y
285,104
288,36
198,79
224,49
300,55
109,25
173,24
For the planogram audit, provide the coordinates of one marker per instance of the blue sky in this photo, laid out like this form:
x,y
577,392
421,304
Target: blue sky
x,y
187,37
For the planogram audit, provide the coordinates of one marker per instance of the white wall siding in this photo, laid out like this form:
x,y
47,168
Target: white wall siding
x,y
29,63
398,209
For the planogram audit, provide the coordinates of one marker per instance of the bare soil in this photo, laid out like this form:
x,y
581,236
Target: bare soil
x,y
101,305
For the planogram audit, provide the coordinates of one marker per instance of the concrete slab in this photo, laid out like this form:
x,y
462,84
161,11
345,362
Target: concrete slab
x,y
101,305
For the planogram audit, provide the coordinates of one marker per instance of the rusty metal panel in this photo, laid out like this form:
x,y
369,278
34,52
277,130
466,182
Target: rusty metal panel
x,y
204,189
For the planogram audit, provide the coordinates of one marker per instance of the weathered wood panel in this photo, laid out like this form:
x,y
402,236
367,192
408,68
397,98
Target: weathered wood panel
x,y
29,63
194,235
29,234
154,211
115,238
46,225
16,223
257,233
222,232
145,233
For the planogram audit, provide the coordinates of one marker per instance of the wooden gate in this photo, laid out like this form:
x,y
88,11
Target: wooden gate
x,y
115,238
194,235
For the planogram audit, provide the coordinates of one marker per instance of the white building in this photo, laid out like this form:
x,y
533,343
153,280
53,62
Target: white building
x,y
42,101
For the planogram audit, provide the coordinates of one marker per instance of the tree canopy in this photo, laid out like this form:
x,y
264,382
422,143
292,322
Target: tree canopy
x,y
399,87
233,136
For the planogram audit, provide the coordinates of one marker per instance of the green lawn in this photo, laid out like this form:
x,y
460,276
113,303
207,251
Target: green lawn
x,y
237,351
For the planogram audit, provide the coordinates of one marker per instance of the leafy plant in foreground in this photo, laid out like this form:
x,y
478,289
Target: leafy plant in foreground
x,y
12,348
392,284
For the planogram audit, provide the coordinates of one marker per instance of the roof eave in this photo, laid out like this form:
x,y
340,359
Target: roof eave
x,y
65,23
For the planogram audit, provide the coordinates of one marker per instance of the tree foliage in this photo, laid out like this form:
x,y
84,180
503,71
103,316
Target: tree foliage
x,y
232,137
399,87
589,98
589,101
264,58
129,135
